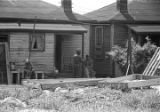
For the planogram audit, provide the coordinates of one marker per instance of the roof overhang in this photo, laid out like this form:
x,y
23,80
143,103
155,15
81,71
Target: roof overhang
x,y
145,28
56,28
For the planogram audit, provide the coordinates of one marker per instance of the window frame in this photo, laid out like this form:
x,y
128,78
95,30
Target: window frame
x,y
42,35
97,27
99,56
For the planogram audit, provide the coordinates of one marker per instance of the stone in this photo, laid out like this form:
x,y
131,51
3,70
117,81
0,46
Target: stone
x,y
14,101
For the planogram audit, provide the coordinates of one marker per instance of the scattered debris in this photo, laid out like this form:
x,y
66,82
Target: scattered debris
x,y
78,91
61,90
13,101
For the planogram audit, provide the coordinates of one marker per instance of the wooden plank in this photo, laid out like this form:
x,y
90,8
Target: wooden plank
x,y
153,64
120,79
52,84
7,64
145,83
150,63
130,82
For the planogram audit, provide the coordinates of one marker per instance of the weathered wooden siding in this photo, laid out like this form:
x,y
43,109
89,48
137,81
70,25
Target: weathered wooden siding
x,y
87,40
19,48
120,34
120,38
41,60
45,60
72,42
102,67
69,44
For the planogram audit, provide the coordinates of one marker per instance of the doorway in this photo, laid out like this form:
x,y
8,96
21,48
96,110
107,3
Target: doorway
x,y
3,58
58,52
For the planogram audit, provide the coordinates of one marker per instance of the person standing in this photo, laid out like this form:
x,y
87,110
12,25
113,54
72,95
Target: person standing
x,y
89,72
28,70
77,64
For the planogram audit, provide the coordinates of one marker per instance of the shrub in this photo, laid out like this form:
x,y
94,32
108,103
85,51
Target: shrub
x,y
141,55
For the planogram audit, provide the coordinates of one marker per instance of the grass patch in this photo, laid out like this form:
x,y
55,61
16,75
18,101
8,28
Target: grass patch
x,y
93,99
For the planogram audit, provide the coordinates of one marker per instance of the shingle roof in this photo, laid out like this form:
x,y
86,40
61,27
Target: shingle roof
x,y
28,9
140,10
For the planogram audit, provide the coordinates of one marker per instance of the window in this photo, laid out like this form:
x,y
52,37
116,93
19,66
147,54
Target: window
x,y
99,36
99,44
38,42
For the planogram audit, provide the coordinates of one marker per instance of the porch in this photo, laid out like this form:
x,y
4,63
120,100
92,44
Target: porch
x,y
41,44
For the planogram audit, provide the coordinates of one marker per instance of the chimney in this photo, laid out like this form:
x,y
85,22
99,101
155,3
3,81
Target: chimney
x,y
67,8
122,7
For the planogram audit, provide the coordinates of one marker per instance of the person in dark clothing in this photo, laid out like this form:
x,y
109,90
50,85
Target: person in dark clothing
x,y
28,70
77,64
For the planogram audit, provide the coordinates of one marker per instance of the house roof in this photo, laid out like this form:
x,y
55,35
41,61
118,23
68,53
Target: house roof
x,y
29,9
145,28
140,10
65,28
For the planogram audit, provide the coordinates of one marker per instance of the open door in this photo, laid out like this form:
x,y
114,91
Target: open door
x,y
4,64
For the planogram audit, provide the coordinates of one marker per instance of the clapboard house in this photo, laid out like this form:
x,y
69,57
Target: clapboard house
x,y
116,23
46,34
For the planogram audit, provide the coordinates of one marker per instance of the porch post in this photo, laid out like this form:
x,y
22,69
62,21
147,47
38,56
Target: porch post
x,y
130,51
83,45
83,54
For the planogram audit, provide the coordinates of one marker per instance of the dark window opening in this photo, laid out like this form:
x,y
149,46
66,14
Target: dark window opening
x,y
35,45
58,51
155,38
38,42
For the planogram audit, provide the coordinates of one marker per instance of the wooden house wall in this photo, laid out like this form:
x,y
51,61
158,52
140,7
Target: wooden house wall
x,y
44,60
41,60
102,67
120,38
120,34
69,45
19,48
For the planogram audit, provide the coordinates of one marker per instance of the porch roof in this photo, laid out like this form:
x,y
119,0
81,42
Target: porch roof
x,y
62,28
145,28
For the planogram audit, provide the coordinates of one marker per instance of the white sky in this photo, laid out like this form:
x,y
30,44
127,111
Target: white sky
x,y
84,6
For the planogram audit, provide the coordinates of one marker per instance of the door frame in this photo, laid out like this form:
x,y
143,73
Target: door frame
x,y
7,60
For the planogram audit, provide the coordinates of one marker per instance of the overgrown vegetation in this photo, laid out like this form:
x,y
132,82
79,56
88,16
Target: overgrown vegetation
x,y
92,99
141,55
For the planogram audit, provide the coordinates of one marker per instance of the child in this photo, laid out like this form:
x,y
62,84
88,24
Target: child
x,y
89,72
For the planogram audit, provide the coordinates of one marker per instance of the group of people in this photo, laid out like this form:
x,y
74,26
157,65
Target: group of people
x,y
82,67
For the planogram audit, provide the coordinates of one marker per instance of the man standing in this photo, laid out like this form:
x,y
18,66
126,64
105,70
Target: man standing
x,y
77,64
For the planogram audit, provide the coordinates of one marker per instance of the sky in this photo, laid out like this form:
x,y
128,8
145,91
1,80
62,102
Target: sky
x,y
84,6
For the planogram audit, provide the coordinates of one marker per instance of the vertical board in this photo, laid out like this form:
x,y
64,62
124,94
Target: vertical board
x,y
87,40
3,65
7,64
